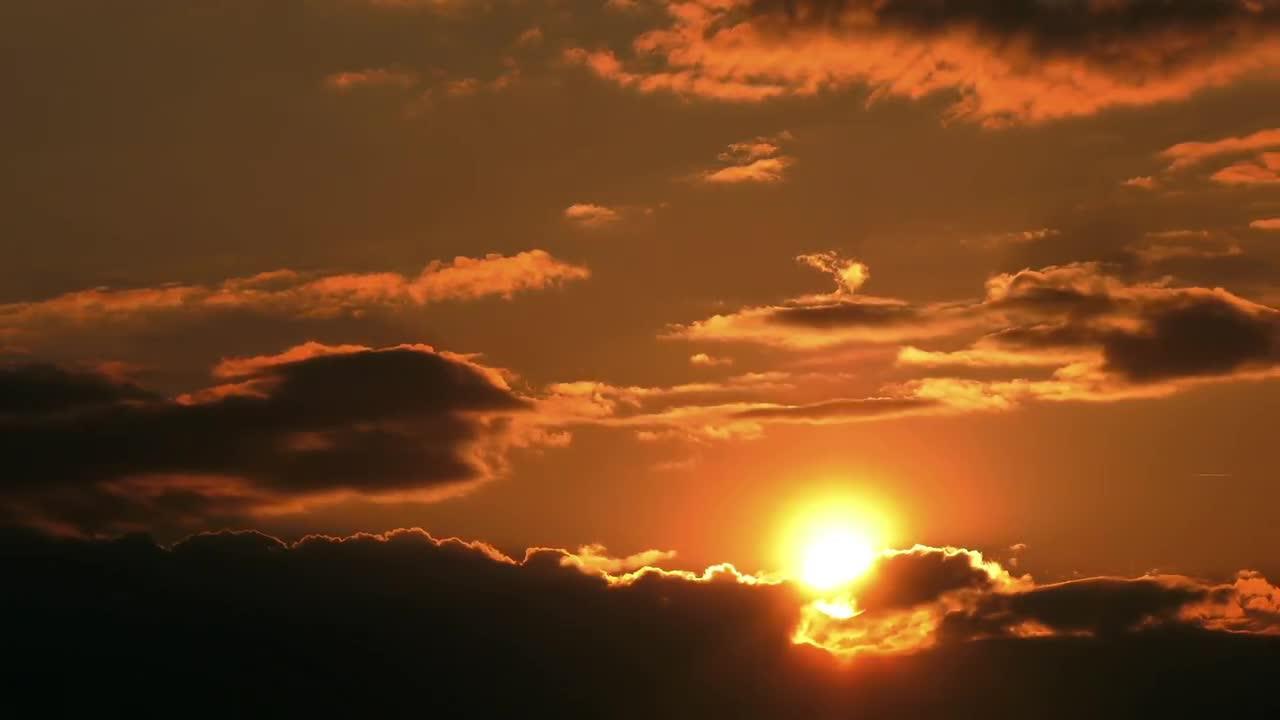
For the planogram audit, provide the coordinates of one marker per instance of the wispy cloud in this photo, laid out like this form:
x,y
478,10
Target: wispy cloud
x,y
298,293
752,161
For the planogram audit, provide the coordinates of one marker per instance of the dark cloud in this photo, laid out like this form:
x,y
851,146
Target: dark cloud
x,y
1145,333
43,389
905,579
1052,26
1104,605
369,422
851,313
404,623
1101,606
1201,335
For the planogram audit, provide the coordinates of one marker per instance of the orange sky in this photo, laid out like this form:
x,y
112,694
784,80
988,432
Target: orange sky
x,y
648,274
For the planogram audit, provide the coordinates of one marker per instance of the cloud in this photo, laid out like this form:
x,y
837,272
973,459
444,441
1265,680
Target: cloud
x,y
1020,237
1165,245
291,292
589,215
827,319
1145,332
927,597
837,410
594,559
1031,63
530,37
237,367
1262,168
1187,154
1266,224
751,150
309,426
605,64
45,389
737,408
705,360
744,419
753,161
349,80
1143,182
587,399
764,170
359,621
1265,170
850,275
983,356
1099,336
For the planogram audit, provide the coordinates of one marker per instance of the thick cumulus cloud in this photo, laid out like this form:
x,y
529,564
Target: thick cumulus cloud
x,y
315,423
1007,62
404,622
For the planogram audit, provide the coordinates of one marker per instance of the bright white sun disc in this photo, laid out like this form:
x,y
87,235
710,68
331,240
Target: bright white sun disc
x,y
834,557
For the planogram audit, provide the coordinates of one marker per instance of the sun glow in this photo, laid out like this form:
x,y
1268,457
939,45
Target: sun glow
x,y
831,542
834,557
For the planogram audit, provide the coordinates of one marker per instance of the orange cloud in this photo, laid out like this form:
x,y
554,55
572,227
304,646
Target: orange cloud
x,y
1144,182
1266,224
294,293
607,66
1048,61
1265,170
705,360
829,319
240,367
590,215
1187,154
530,37
849,274
595,560
349,80
753,161
1156,247
764,170
983,356
1099,336
463,86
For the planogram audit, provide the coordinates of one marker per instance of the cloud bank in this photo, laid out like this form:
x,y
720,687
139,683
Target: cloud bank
x,y
315,424
406,622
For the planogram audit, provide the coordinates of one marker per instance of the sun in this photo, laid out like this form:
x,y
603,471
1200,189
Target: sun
x,y
831,539
834,557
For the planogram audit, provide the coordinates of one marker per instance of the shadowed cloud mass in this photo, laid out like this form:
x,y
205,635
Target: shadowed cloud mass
x,y
313,425
458,619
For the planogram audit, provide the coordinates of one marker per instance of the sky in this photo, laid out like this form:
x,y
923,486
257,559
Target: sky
x,y
658,284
